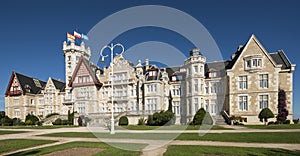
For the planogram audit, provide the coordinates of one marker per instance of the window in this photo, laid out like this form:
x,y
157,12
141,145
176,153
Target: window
x,y
248,64
213,74
77,59
190,106
152,73
176,107
196,69
16,101
176,91
253,63
213,88
206,104
81,108
196,104
41,101
206,90
152,88
243,82
32,101
243,103
263,101
17,113
213,107
196,85
69,58
151,104
263,81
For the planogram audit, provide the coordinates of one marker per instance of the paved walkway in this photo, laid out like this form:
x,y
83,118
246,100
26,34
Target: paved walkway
x,y
155,147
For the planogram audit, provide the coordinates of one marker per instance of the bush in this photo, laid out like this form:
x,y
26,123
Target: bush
x,y
142,121
202,117
265,114
28,122
123,121
271,123
34,120
6,121
16,121
287,122
296,121
162,118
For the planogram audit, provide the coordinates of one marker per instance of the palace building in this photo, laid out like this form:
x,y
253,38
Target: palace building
x,y
241,86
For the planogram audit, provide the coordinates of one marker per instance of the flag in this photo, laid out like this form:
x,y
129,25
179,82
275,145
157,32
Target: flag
x,y
70,37
85,37
77,35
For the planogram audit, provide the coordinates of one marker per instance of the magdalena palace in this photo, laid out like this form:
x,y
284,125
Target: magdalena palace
x,y
241,86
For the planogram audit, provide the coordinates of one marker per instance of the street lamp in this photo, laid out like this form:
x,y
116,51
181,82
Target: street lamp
x,y
111,47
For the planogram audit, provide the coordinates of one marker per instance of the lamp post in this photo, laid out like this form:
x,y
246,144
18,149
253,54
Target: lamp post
x,y
111,47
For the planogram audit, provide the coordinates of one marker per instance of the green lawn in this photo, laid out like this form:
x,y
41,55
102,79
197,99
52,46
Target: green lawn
x,y
191,150
109,150
281,126
173,127
10,132
260,137
15,144
35,127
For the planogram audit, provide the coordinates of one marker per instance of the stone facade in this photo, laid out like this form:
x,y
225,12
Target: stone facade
x,y
241,86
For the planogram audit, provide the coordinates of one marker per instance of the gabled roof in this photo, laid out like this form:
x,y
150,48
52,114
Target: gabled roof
x,y
232,62
59,85
34,84
281,59
91,69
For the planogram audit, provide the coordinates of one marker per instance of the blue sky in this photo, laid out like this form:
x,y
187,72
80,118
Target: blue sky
x,y
32,32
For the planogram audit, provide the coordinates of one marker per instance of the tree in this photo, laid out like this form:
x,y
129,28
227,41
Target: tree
x,y
170,101
265,114
6,121
282,111
202,117
70,118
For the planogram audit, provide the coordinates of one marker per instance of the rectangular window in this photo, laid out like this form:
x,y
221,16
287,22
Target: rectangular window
x,y
213,88
206,90
176,107
206,104
196,104
196,69
243,84
243,103
263,101
196,85
263,81
248,64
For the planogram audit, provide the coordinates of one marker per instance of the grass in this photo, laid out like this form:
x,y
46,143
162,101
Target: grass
x,y
10,132
35,127
190,150
173,127
15,144
109,150
281,126
259,137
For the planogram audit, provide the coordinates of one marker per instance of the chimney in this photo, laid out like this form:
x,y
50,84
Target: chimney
x,y
232,56
240,47
147,64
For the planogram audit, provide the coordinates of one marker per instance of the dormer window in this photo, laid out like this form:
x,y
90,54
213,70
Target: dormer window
x,y
174,78
212,74
152,73
253,63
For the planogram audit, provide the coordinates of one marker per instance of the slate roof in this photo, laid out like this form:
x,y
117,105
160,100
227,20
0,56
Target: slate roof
x,y
30,82
220,67
280,58
59,85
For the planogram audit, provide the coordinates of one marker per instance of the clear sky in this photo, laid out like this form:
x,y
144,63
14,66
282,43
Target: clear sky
x,y
32,32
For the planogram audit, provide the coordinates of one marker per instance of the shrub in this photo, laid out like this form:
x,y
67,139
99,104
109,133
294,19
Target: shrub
x,y
161,118
6,121
287,122
265,114
28,122
123,121
282,111
271,123
33,118
296,121
202,117
142,121
16,121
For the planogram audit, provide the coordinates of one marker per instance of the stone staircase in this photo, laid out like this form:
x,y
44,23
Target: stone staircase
x,y
222,119
48,121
